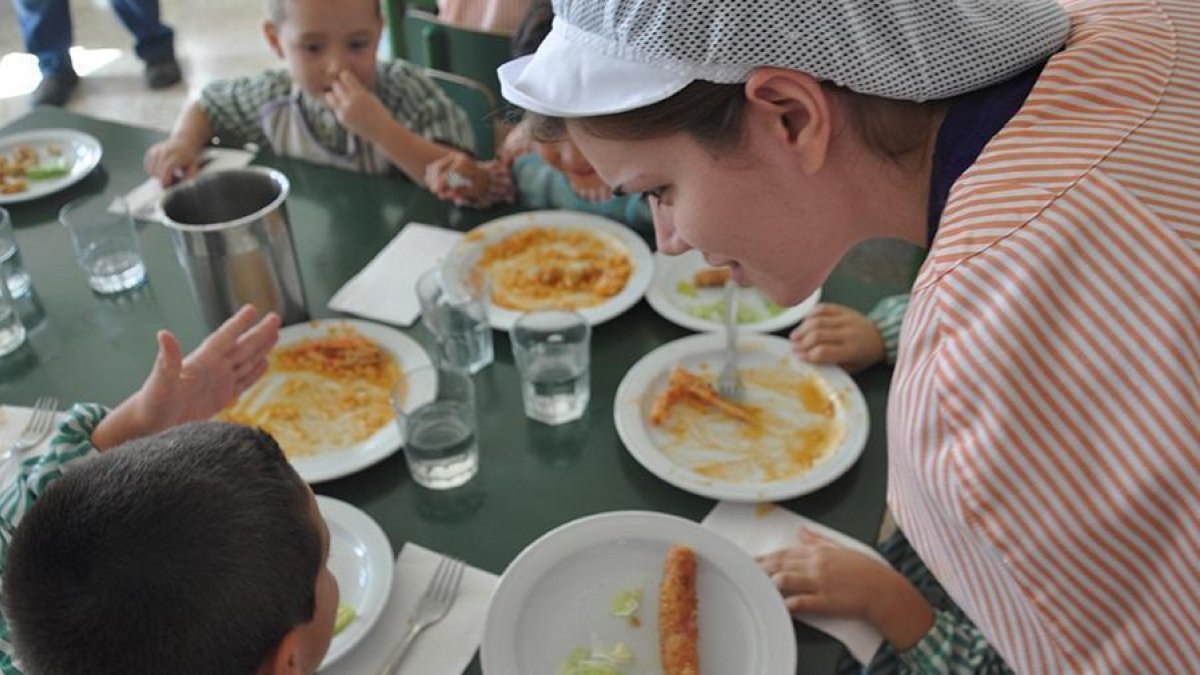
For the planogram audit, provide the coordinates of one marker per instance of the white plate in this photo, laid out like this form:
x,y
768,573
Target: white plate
x,y
648,377
639,254
360,558
665,298
82,150
386,441
555,596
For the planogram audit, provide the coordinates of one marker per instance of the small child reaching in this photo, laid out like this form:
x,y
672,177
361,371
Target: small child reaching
x,y
333,104
532,173
143,545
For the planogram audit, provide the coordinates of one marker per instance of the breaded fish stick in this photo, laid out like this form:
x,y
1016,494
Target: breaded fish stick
x,y
678,614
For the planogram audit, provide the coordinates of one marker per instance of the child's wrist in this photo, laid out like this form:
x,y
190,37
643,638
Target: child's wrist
x,y
900,612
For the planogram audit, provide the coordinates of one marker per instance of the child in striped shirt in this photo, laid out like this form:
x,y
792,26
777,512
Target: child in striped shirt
x,y
194,550
334,104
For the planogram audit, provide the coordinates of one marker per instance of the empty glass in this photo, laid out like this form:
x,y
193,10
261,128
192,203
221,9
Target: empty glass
x,y
454,308
11,268
435,408
106,244
12,331
552,351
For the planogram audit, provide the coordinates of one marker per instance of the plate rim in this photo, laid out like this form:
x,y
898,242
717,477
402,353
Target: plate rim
x,y
627,417
376,541
55,133
320,468
759,591
657,296
639,253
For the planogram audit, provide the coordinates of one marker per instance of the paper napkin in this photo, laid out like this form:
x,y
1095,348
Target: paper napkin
x,y
762,528
386,289
143,199
445,647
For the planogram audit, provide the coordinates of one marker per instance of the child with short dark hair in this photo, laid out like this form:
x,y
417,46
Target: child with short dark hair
x,y
195,550
333,104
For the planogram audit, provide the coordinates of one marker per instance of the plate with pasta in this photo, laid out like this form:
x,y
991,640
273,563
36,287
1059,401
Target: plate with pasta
x,y
557,260
37,163
798,426
636,592
326,395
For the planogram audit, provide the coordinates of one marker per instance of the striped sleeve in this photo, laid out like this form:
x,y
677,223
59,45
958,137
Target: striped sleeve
x,y
421,106
887,316
71,442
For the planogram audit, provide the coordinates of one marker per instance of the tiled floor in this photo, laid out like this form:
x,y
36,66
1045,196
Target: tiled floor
x,y
213,39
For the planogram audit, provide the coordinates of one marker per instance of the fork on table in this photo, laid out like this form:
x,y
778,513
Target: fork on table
x,y
439,595
41,422
729,385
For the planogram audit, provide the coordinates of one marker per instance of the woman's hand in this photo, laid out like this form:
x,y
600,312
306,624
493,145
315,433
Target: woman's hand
x,y
818,576
837,334
181,389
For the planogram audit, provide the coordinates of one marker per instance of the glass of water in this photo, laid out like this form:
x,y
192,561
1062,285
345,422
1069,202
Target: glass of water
x,y
106,243
454,309
552,350
435,408
11,268
12,331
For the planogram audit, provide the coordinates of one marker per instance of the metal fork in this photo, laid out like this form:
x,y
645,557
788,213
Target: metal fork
x,y
45,410
431,608
729,385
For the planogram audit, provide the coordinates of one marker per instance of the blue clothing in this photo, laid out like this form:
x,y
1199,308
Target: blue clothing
x,y
46,29
540,186
970,123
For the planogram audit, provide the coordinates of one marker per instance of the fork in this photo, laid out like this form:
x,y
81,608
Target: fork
x,y
40,423
431,608
729,386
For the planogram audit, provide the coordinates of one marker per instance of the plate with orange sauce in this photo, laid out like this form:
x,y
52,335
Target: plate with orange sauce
x,y
797,428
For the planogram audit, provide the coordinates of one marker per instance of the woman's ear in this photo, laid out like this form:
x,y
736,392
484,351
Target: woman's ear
x,y
285,658
798,112
272,34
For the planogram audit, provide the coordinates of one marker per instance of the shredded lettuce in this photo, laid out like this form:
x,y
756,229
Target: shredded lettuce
x,y
626,603
52,169
345,616
599,659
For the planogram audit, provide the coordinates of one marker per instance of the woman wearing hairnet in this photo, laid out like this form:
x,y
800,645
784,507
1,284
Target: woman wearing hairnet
x,y
1043,426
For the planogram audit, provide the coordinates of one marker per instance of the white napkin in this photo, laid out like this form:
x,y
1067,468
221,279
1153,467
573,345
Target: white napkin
x,y
143,199
762,528
445,647
386,289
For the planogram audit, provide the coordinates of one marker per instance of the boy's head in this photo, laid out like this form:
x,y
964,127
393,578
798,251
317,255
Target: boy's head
x,y
197,550
318,39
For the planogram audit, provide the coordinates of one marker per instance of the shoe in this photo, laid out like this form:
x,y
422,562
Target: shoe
x,y
163,72
55,89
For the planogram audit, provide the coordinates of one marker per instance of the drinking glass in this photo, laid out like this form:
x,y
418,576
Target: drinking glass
x,y
454,309
106,243
12,331
552,351
435,408
11,268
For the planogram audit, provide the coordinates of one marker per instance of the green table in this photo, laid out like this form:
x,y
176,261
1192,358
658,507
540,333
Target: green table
x,y
532,477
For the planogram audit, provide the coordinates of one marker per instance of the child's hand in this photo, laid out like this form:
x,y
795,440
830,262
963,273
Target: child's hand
x,y
356,107
171,161
182,390
818,576
458,178
837,334
519,141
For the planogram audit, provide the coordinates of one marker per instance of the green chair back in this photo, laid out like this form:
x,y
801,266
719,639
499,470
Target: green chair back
x,y
479,104
470,53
